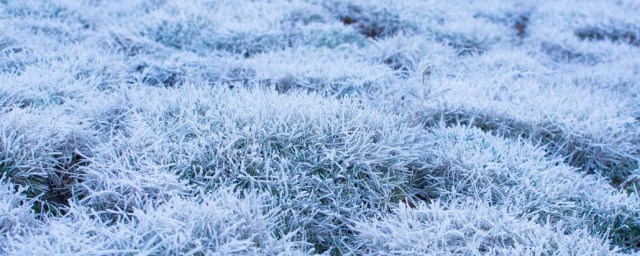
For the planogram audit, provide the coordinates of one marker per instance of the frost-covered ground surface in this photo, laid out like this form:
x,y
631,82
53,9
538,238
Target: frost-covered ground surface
x,y
292,127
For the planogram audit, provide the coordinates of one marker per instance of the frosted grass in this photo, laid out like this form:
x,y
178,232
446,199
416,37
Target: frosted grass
x,y
319,127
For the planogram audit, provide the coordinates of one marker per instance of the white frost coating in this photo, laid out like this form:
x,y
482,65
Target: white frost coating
x,y
300,127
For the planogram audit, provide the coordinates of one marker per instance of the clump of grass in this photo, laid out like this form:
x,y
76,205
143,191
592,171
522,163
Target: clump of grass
x,y
223,222
43,157
61,20
469,163
591,127
467,228
13,56
335,76
325,161
405,54
241,28
126,174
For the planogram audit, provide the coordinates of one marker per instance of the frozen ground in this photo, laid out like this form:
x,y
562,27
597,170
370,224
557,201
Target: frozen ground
x,y
292,127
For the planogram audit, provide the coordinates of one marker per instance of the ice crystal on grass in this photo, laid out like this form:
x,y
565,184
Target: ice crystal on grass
x,y
16,216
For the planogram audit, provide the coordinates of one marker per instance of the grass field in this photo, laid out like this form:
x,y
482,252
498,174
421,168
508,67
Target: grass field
x,y
308,127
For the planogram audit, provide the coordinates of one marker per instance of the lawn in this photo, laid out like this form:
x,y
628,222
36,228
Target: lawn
x,y
309,127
